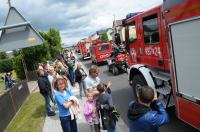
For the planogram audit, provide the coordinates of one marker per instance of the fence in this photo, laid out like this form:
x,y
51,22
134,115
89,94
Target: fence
x,y
11,101
32,76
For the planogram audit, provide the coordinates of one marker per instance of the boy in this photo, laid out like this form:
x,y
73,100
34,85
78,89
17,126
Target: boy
x,y
148,113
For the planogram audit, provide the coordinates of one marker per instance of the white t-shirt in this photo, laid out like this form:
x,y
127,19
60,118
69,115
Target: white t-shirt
x,y
91,82
51,78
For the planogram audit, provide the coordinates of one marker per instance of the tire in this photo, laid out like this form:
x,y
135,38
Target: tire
x,y
137,81
115,70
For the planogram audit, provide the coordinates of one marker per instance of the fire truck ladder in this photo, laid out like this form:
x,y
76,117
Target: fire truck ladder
x,y
163,89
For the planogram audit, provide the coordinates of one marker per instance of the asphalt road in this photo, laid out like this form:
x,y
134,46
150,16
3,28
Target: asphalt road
x,y
122,94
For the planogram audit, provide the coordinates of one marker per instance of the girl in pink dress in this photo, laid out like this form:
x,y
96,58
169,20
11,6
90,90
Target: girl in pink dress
x,y
90,113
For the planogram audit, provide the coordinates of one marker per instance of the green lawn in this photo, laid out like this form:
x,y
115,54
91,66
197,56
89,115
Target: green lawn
x,y
31,116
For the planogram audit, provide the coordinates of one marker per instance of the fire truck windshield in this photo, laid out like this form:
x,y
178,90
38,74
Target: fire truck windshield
x,y
150,27
132,33
103,47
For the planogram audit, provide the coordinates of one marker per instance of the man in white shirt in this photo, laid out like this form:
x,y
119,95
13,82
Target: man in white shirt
x,y
92,80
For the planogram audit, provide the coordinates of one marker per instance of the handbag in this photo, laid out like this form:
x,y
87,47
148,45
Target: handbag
x,y
109,117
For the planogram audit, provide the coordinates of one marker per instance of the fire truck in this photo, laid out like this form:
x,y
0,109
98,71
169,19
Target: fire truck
x,y
100,52
84,49
77,48
163,52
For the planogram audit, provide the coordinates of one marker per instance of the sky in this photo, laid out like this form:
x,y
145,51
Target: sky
x,y
75,19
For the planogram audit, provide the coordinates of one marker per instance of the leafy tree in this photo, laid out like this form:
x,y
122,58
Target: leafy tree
x,y
18,67
6,65
53,38
35,55
3,55
104,37
16,53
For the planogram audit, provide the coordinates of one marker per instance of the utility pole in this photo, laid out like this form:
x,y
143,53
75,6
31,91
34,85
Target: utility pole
x,y
9,3
24,65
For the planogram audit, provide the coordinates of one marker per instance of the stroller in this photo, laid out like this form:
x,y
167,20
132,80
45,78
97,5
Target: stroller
x,y
9,83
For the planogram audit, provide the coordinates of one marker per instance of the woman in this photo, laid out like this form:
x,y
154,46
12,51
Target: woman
x,y
80,76
71,64
52,75
62,97
45,89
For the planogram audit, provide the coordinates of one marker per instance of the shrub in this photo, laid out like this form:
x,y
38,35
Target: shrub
x,y
6,65
18,67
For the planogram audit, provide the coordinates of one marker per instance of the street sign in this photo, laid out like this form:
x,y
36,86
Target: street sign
x,y
17,33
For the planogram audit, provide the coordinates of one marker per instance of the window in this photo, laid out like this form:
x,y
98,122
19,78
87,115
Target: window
x,y
103,47
150,27
132,33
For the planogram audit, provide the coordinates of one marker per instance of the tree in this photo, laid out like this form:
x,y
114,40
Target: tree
x,y
18,67
53,38
104,37
3,55
6,65
35,55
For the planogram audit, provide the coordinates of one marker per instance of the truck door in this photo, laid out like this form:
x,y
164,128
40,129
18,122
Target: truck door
x,y
152,39
185,38
132,42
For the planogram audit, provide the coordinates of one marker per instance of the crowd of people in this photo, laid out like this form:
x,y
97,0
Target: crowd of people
x,y
56,82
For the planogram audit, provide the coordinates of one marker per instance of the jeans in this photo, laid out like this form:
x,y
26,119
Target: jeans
x,y
94,128
72,77
47,103
68,125
82,88
112,129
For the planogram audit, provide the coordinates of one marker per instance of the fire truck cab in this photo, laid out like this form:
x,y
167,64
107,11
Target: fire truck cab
x,y
148,58
77,48
163,52
84,49
100,52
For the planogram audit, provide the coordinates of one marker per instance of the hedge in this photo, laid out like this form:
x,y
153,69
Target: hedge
x,y
6,65
18,67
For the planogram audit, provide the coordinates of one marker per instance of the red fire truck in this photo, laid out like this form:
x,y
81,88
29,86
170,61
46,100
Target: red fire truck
x,y
163,46
100,52
77,48
84,49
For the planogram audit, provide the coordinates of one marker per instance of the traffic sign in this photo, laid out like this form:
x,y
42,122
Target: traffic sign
x,y
17,33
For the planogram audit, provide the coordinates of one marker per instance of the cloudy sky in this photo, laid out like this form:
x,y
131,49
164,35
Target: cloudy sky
x,y
76,19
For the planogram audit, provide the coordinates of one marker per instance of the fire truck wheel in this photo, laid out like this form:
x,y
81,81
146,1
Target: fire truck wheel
x,y
137,81
115,70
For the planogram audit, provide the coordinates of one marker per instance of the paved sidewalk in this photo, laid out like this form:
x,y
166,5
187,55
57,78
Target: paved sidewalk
x,y
33,86
52,124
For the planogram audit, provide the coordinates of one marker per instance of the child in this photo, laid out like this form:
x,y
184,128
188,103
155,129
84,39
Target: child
x,y
104,99
144,118
91,114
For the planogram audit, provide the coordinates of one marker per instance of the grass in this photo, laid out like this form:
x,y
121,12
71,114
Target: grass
x,y
31,116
